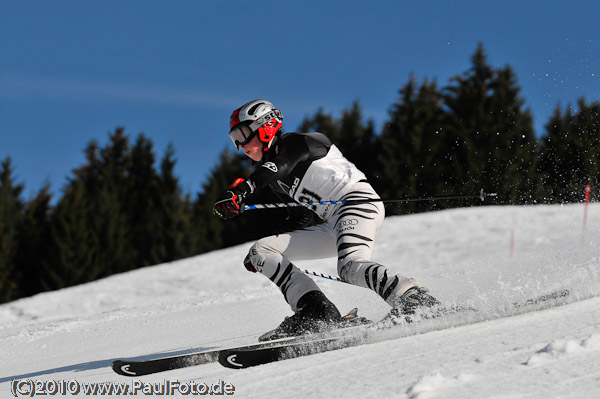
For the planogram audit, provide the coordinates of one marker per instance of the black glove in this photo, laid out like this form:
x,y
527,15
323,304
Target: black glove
x,y
231,203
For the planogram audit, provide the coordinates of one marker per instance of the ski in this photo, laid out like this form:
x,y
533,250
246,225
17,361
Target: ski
x,y
554,295
243,357
291,347
239,358
134,368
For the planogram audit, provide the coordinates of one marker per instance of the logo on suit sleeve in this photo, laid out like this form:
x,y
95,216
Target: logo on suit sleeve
x,y
271,166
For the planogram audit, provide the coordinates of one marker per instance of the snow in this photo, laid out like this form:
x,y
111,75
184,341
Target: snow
x,y
464,256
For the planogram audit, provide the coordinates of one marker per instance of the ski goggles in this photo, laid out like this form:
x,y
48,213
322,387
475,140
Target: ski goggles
x,y
241,135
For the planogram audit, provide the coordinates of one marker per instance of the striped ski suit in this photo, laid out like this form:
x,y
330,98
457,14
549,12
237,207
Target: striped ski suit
x,y
308,167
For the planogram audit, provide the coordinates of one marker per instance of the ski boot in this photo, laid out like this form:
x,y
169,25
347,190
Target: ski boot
x,y
406,305
315,314
415,298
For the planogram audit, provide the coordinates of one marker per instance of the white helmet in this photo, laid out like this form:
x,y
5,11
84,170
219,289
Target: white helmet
x,y
260,116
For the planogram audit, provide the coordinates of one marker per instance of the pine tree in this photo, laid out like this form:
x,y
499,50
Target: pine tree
x,y
34,249
588,126
569,153
142,205
89,224
322,123
411,153
175,211
118,213
514,155
108,208
355,140
490,137
11,209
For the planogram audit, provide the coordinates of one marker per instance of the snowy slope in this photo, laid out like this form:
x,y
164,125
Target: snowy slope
x,y
486,256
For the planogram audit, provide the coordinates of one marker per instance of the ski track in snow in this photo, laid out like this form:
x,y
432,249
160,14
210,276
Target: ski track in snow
x,y
551,350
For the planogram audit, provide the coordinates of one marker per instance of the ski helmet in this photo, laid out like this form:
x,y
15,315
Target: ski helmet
x,y
256,117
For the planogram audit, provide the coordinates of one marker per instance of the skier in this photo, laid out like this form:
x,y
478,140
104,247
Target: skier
x,y
308,167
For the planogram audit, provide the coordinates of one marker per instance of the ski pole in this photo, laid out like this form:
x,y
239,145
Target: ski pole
x,y
482,195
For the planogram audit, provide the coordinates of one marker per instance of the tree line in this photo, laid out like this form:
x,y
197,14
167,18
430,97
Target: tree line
x,y
122,209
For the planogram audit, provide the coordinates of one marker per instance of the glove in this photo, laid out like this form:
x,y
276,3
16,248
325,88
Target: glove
x,y
231,203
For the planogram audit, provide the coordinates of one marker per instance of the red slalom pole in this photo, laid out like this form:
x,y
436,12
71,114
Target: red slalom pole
x,y
588,189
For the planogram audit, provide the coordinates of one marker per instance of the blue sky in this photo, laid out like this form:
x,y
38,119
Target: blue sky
x,y
72,71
